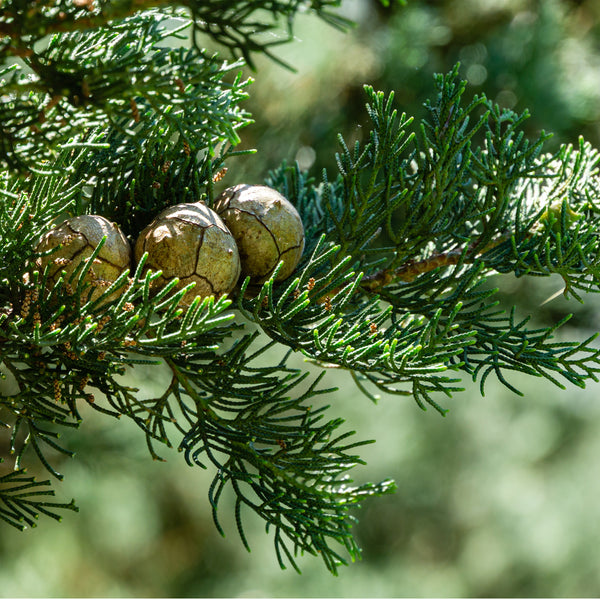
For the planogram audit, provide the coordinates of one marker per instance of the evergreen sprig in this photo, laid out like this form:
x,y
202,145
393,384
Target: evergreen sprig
x,y
23,499
273,448
124,77
109,62
460,197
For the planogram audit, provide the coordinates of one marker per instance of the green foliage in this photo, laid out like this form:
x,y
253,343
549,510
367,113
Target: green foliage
x,y
273,449
399,244
22,500
453,215
106,63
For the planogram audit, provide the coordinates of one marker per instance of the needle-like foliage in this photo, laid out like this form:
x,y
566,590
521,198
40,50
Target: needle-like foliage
x,y
118,117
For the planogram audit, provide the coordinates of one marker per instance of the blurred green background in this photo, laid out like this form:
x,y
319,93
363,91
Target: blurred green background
x,y
500,498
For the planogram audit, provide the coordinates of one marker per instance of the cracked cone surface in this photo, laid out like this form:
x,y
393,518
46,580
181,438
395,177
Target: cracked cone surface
x,y
267,229
76,239
191,242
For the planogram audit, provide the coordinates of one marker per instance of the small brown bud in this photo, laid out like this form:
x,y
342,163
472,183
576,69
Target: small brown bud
x,y
83,382
179,84
135,113
218,176
57,390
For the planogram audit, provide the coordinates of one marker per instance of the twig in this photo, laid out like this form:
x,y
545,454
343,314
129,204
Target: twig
x,y
410,270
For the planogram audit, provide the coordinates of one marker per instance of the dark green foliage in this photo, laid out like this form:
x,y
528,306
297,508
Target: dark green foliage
x,y
280,458
399,243
22,499
107,62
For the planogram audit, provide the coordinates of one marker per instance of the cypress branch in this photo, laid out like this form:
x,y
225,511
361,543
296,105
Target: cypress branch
x,y
22,499
399,243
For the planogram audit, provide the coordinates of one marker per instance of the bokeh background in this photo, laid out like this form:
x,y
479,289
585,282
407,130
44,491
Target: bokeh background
x,y
498,499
